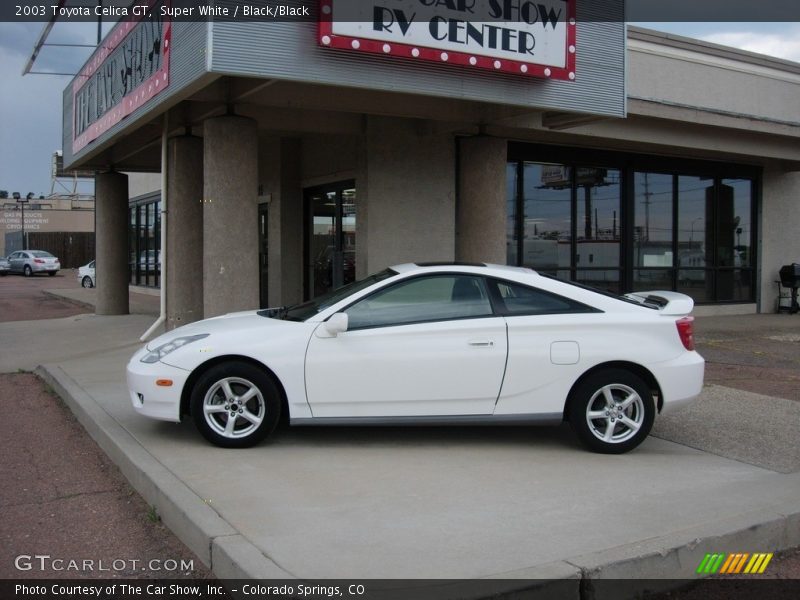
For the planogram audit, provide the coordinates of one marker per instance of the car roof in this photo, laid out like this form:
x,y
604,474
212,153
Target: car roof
x,y
464,267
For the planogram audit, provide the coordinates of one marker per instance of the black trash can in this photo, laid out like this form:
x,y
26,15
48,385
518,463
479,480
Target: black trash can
x,y
790,278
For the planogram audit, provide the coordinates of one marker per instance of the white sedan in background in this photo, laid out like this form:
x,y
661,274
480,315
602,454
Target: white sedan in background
x,y
431,344
86,275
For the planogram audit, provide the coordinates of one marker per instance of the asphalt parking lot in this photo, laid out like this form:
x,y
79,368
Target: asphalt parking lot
x,y
419,494
22,298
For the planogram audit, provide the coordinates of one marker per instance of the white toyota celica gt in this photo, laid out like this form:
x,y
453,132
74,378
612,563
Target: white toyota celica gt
x,y
431,344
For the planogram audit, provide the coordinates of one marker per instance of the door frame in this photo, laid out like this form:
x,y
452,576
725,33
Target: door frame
x,y
337,187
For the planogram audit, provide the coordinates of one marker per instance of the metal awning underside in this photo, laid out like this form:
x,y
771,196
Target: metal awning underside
x,y
42,40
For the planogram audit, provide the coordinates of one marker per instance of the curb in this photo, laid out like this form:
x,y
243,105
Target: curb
x,y
215,542
653,565
74,301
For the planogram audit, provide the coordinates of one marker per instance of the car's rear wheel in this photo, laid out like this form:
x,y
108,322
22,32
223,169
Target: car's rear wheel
x,y
27,271
87,282
612,411
235,404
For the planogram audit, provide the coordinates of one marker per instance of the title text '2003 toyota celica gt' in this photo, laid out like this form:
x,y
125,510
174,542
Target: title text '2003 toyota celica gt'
x,y
431,344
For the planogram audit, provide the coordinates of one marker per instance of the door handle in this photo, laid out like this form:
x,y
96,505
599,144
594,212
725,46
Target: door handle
x,y
481,343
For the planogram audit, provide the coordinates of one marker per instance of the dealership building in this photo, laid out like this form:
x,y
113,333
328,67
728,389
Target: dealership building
x,y
300,155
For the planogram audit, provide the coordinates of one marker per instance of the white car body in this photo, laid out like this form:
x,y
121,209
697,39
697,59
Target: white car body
x,y
495,368
86,275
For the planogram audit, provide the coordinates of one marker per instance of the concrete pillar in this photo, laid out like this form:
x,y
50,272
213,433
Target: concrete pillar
x,y
481,215
184,282
409,193
230,215
780,222
111,238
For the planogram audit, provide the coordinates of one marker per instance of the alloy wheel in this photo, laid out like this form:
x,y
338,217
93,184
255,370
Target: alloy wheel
x,y
234,407
615,413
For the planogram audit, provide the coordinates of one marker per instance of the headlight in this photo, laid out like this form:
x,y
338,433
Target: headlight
x,y
157,354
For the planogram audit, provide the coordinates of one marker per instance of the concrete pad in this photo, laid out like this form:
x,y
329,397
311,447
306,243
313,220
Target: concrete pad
x,y
28,344
759,430
434,503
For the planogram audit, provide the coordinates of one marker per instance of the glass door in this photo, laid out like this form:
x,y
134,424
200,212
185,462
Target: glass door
x,y
331,241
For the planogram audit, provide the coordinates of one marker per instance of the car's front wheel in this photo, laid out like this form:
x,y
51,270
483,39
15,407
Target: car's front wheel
x,y
27,271
235,404
612,411
87,282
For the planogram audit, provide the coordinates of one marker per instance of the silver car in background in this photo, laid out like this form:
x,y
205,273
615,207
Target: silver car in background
x,y
5,267
30,262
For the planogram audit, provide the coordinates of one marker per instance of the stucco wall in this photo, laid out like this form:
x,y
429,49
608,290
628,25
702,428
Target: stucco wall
x,y
780,229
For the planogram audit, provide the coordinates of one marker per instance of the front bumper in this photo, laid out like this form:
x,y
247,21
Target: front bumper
x,y
151,400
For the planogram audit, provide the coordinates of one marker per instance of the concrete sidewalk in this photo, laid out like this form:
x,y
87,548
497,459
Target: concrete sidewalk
x,y
423,503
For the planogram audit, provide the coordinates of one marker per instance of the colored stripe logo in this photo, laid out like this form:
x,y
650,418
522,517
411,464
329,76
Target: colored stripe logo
x,y
734,564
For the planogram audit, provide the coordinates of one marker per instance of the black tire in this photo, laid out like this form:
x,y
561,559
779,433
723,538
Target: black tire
x,y
27,271
265,404
613,429
87,282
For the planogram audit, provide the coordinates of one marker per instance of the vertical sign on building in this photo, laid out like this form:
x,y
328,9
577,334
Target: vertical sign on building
x,y
130,67
523,37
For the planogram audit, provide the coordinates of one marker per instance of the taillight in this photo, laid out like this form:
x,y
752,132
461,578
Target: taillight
x,y
686,331
38,261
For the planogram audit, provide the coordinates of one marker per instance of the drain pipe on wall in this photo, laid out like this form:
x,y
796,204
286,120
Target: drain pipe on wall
x,y
162,317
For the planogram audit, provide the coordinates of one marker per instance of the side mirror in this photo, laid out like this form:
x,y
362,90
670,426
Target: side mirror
x,y
335,325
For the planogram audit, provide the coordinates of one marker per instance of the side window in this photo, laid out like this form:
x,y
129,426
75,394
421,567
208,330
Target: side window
x,y
434,298
518,299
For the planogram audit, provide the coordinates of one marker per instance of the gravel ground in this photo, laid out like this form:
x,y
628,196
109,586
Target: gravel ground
x,y
62,496
764,361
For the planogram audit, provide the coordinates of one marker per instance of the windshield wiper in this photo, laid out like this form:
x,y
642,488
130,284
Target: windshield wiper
x,y
279,312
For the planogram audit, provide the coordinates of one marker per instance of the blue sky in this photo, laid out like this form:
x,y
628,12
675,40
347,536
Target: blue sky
x,y
30,106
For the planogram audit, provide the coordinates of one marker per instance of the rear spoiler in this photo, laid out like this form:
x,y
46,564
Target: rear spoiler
x,y
667,303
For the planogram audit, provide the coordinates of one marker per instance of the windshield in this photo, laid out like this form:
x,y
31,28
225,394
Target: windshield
x,y
40,254
306,310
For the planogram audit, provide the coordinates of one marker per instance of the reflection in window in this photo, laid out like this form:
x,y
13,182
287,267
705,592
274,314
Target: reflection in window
x,y
598,217
652,229
436,298
520,299
511,214
688,233
547,216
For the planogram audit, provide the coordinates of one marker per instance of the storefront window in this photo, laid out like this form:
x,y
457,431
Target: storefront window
x,y
512,239
597,251
675,231
331,241
547,218
144,242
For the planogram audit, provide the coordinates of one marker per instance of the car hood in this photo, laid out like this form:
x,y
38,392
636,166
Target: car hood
x,y
230,324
